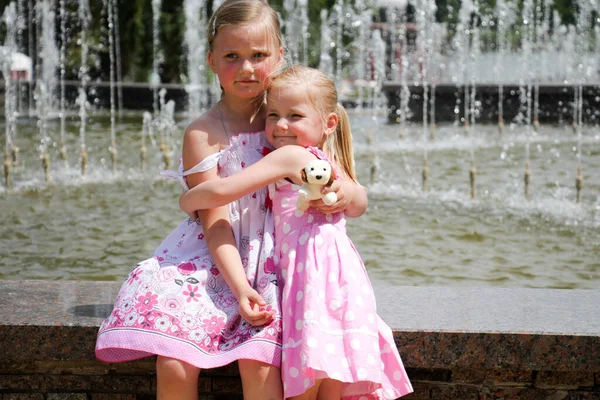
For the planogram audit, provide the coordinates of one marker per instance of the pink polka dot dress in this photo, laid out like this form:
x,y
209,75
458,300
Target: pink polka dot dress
x,y
330,322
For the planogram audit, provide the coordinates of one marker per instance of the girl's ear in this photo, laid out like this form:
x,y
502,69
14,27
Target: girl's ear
x,y
331,123
280,62
211,60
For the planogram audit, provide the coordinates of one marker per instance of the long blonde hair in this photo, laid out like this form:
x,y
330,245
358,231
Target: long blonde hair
x,y
245,12
323,96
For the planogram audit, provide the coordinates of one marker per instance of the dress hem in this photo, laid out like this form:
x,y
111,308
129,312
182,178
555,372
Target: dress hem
x,y
126,347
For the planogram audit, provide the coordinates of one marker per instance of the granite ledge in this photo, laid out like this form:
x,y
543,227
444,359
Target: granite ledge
x,y
434,327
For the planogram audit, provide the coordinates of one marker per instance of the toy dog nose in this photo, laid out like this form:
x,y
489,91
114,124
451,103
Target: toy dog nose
x,y
318,176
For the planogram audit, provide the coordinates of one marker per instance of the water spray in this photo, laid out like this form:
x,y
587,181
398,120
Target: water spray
x,y
422,38
472,174
579,179
475,52
156,53
432,124
9,17
63,45
425,175
46,165
7,177
527,179
575,101
63,152
536,124
579,185
85,18
166,155
14,151
373,167
146,126
84,159
502,11
111,51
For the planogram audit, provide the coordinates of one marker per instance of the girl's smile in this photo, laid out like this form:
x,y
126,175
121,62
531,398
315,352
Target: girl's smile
x,y
292,119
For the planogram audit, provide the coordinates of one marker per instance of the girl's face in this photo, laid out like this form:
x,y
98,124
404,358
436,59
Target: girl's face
x,y
292,119
244,58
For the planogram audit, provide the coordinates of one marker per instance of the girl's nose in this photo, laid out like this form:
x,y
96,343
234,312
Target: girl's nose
x,y
247,66
282,124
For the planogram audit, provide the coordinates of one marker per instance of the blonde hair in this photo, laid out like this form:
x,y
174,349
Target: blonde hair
x,y
245,12
323,96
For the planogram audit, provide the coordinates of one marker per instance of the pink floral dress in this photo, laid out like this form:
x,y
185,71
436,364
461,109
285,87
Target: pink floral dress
x,y
330,322
176,303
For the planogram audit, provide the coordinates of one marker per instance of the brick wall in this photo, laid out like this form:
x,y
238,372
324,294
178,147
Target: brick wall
x,y
137,381
47,346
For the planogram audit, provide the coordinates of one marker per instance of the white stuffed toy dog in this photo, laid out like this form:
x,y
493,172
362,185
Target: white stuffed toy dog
x,y
315,175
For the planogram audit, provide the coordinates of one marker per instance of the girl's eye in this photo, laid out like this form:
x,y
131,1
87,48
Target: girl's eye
x,y
271,115
260,55
296,116
231,56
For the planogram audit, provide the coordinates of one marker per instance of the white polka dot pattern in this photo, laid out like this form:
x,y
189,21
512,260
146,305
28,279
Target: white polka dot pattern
x,y
331,327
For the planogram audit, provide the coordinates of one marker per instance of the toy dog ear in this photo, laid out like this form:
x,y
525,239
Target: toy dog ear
x,y
303,175
331,178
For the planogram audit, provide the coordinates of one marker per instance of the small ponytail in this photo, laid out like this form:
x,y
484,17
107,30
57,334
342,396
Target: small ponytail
x,y
344,153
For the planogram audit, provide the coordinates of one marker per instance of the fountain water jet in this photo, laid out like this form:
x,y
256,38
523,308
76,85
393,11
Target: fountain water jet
x,y
527,31
63,45
473,111
338,14
111,52
377,74
146,129
423,17
46,82
85,19
325,60
194,41
405,91
157,58
118,57
10,46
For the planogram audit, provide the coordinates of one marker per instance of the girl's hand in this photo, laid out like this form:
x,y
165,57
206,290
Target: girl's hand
x,y
250,304
343,198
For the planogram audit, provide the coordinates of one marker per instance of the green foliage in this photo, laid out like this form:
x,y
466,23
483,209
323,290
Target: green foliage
x,y
136,37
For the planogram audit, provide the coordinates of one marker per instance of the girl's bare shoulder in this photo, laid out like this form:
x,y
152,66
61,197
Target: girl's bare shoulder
x,y
203,129
201,139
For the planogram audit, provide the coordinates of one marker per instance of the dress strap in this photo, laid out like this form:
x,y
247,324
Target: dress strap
x,y
209,162
322,156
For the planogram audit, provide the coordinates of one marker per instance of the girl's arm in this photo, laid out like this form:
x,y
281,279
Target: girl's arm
x,y
285,162
197,145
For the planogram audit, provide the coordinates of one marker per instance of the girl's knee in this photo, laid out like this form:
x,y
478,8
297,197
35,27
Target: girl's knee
x,y
175,370
258,368
330,389
260,380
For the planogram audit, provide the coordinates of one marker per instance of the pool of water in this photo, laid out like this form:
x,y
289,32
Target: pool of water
x,y
97,226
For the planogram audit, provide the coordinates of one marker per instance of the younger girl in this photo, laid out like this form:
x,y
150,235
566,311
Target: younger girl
x,y
334,344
